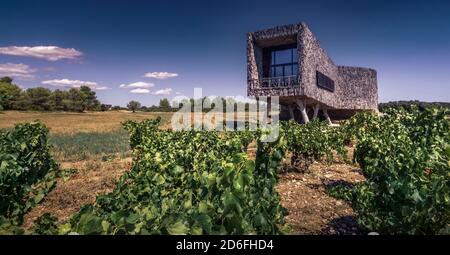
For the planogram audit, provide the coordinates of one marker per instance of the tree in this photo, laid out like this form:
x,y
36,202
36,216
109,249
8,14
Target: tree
x,y
90,101
58,100
9,94
22,102
134,105
39,98
42,99
6,79
105,107
164,103
75,100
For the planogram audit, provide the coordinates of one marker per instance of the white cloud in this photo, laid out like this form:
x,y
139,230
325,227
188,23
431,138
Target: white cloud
x,y
66,83
139,84
102,88
51,53
140,91
163,92
18,71
178,93
160,75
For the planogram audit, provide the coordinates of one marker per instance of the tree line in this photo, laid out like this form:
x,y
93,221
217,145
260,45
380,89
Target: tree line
x,y
12,97
408,104
81,99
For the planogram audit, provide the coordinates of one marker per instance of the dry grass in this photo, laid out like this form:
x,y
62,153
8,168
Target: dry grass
x,y
70,123
97,122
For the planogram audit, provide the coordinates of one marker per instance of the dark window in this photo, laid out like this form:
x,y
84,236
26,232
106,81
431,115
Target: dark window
x,y
324,81
283,61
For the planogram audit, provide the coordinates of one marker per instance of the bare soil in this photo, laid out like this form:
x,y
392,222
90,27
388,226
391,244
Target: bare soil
x,y
311,210
93,178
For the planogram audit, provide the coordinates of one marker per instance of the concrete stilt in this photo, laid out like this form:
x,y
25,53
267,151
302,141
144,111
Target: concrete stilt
x,y
291,112
316,110
302,108
327,117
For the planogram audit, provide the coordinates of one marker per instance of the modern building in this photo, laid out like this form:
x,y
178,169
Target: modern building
x,y
287,61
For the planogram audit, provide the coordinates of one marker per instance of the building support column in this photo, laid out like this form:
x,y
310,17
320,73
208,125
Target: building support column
x,y
291,112
327,117
302,107
316,111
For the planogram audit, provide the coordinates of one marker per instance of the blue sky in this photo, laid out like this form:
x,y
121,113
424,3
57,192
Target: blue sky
x,y
202,44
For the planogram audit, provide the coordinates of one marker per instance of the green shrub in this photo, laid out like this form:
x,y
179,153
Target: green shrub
x,y
312,141
360,124
405,159
189,182
27,170
340,190
46,224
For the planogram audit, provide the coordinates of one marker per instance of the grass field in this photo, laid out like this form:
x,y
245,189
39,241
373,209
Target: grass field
x,y
83,136
86,145
71,123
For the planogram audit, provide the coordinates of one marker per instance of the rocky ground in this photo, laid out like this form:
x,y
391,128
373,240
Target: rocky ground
x,y
311,209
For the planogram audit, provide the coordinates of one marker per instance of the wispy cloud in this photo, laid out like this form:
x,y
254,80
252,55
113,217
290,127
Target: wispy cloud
x,y
166,91
102,88
66,83
140,91
139,84
160,75
51,53
17,71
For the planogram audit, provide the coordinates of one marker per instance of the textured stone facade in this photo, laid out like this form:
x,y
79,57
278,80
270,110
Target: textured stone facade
x,y
358,88
355,88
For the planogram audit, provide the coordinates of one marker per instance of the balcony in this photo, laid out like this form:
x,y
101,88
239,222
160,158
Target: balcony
x,y
275,82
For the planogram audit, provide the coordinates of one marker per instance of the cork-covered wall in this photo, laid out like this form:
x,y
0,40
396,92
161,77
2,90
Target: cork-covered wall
x,y
355,87
358,88
313,58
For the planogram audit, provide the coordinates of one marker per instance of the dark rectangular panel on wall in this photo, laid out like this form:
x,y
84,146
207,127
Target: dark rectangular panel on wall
x,y
324,81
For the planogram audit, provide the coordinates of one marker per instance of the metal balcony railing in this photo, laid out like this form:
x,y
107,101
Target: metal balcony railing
x,y
278,82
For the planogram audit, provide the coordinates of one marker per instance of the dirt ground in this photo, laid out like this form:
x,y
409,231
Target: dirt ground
x,y
311,209
92,178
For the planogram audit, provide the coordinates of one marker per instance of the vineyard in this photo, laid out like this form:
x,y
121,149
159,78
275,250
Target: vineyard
x,y
207,182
